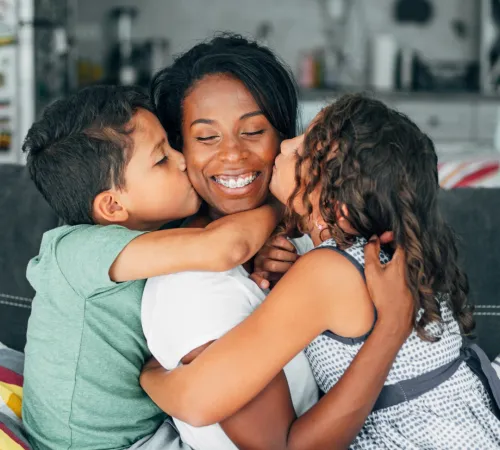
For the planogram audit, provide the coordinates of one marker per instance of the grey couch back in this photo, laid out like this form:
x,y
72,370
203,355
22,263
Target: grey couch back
x,y
24,217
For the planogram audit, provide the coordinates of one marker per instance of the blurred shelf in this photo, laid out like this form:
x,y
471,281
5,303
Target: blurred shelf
x,y
315,95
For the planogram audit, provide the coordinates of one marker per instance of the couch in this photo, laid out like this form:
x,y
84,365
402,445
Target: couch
x,y
25,216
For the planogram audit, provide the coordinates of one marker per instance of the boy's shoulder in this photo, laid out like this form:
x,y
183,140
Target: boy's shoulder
x,y
80,255
85,231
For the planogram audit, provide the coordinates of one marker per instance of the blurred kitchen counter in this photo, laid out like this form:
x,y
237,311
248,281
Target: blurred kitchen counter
x,y
447,117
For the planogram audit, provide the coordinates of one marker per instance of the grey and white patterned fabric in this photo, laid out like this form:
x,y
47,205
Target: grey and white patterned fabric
x,y
455,415
496,365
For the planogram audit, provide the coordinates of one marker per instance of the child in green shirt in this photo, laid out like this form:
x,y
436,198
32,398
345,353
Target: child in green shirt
x,y
103,162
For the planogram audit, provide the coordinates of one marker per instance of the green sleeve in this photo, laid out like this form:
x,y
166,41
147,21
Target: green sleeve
x,y
85,254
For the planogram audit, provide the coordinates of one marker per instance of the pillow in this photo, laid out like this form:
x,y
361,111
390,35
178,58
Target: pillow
x,y
12,435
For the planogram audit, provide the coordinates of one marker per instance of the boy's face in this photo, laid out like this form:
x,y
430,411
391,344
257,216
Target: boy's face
x,y
157,188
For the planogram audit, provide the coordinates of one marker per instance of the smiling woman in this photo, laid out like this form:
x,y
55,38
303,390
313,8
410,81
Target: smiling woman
x,y
227,104
229,145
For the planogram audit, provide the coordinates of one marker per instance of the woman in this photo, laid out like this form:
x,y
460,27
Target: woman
x,y
228,104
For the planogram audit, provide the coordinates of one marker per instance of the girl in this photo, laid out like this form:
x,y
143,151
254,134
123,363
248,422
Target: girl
x,y
362,169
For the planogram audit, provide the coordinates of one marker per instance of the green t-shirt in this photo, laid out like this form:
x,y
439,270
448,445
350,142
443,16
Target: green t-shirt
x,y
85,346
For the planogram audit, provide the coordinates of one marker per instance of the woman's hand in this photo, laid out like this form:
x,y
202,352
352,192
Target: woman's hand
x,y
389,290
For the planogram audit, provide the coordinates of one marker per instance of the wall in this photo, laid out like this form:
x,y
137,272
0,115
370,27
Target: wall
x,y
297,25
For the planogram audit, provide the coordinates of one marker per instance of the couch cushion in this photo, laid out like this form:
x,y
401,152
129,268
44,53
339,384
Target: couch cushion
x,y
24,217
475,216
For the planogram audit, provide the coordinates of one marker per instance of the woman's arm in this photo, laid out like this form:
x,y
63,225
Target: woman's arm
x,y
222,245
269,422
237,367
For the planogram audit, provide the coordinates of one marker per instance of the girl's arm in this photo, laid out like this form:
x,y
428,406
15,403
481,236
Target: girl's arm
x,y
222,245
234,369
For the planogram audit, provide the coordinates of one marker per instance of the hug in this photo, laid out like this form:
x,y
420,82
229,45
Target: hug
x,y
309,296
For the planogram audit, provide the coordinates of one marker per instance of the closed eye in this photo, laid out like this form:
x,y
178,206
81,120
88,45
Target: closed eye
x,y
207,138
162,161
253,133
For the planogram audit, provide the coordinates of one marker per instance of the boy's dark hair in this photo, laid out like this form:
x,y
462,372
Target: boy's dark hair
x,y
81,146
377,162
258,68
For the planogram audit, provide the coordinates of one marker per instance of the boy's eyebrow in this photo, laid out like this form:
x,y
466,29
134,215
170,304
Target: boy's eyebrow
x,y
158,146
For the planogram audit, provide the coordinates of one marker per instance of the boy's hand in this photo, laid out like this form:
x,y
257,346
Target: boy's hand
x,y
273,261
389,289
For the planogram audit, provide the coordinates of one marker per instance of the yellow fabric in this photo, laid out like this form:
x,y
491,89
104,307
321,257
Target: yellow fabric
x,y
6,443
12,396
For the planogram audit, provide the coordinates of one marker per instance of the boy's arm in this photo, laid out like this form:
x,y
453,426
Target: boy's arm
x,y
222,245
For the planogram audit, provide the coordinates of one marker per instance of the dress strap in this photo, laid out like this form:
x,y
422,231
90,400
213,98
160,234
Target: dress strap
x,y
353,260
361,270
480,364
471,354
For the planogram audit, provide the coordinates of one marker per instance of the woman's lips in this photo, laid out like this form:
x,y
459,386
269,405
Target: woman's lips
x,y
236,181
238,185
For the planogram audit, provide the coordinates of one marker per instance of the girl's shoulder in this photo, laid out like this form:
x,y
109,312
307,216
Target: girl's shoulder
x,y
339,276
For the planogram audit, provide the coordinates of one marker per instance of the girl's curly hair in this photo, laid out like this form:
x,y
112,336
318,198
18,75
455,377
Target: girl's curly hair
x,y
378,163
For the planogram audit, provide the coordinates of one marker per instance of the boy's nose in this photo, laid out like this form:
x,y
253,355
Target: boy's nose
x,y
180,160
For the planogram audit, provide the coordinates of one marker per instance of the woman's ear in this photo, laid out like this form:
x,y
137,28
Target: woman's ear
x,y
108,209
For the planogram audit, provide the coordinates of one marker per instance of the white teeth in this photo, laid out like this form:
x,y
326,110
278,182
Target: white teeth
x,y
234,183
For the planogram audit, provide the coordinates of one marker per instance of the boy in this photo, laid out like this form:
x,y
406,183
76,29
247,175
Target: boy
x,y
102,161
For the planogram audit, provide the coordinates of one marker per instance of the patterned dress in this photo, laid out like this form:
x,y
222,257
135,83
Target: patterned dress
x,y
457,414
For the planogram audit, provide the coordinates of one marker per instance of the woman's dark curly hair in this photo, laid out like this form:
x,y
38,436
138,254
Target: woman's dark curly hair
x,y
267,78
384,171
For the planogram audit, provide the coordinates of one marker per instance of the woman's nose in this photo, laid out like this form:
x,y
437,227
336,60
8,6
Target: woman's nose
x,y
232,150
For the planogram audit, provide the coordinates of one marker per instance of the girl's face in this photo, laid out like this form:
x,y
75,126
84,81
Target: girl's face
x,y
229,145
283,181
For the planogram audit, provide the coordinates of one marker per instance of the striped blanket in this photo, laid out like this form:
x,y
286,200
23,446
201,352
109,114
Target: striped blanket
x,y
12,436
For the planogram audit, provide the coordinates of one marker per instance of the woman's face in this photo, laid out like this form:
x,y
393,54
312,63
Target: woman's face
x,y
229,145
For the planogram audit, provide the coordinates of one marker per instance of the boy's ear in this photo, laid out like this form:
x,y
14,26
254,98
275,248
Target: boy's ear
x,y
107,208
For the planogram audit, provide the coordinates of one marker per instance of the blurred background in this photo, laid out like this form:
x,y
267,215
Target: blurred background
x,y
436,60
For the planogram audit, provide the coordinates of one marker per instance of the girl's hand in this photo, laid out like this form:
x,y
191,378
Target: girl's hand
x,y
389,290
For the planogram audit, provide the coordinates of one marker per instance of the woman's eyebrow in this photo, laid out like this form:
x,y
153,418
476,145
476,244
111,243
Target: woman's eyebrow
x,y
207,121
251,114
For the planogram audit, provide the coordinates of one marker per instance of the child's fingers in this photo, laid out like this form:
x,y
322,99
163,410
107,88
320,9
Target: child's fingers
x,y
387,237
261,279
282,242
